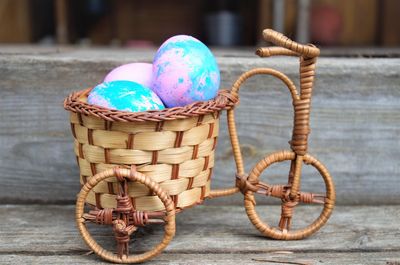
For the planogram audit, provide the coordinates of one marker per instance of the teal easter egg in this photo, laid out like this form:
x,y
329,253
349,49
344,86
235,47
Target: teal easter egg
x,y
125,96
184,71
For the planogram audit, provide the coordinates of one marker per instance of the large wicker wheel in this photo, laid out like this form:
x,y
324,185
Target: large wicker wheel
x,y
283,191
123,175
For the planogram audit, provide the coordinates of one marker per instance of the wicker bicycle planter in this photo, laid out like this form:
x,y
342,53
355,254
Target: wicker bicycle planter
x,y
143,168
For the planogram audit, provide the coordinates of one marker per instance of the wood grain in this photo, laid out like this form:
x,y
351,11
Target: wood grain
x,y
368,258
390,30
359,20
47,233
264,17
61,14
355,122
155,21
16,21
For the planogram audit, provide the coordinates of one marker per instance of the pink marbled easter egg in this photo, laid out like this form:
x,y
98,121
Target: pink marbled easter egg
x,y
184,71
140,73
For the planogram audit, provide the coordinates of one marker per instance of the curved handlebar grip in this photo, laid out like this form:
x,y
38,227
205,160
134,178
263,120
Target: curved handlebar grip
x,y
272,51
281,40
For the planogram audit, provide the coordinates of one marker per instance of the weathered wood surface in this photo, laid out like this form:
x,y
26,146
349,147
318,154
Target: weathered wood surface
x,y
355,121
208,235
374,258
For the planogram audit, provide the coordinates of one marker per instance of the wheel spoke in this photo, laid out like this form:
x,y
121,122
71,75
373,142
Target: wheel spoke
x,y
156,221
281,191
103,217
139,218
157,217
284,223
277,191
287,209
107,216
122,234
310,198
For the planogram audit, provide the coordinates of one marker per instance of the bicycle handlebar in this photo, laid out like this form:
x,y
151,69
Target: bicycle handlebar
x,y
287,46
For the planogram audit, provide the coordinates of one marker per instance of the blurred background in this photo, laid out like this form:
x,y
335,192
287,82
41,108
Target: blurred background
x,y
142,23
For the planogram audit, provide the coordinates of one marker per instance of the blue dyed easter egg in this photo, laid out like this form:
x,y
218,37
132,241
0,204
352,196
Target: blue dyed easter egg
x,y
184,71
125,96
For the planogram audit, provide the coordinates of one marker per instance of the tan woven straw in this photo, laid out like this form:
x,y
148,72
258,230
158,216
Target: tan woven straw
x,y
174,147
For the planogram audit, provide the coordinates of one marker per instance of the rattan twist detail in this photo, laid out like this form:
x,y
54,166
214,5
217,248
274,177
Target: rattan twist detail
x,y
122,234
124,204
276,191
243,184
224,100
279,39
104,216
139,218
306,197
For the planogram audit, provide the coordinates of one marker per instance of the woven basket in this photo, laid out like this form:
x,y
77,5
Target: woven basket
x,y
174,147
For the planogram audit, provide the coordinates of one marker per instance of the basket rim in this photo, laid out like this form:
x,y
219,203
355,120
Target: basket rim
x,y
223,101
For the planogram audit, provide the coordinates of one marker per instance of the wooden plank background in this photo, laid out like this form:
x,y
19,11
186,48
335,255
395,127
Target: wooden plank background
x,y
355,122
16,18
206,235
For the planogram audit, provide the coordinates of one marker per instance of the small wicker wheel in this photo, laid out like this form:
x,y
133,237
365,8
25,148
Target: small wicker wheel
x,y
169,228
284,234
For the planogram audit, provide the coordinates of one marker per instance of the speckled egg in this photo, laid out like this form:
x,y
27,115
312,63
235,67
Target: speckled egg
x,y
125,96
140,73
184,71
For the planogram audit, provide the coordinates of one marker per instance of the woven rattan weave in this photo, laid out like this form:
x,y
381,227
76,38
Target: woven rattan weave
x,y
142,168
175,148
